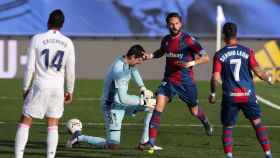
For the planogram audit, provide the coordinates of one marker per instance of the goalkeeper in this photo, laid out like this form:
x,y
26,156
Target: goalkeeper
x,y
116,102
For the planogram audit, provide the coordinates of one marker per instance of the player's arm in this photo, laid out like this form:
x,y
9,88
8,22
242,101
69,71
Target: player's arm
x,y
254,66
216,77
201,55
139,81
70,75
158,53
262,75
29,67
124,97
131,100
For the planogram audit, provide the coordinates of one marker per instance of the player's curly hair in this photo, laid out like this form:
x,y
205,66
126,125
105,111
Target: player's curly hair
x,y
137,50
229,30
56,19
171,15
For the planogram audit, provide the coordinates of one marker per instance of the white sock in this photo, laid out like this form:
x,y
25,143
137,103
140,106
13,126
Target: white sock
x,y
268,152
229,154
21,139
52,141
145,134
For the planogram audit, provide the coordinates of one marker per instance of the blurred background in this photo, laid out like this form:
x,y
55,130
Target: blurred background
x,y
104,29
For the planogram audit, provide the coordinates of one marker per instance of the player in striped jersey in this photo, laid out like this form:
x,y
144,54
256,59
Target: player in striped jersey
x,y
233,65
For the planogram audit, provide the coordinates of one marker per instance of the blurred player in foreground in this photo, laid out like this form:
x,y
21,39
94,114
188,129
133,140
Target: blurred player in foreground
x,y
233,65
116,102
182,52
51,56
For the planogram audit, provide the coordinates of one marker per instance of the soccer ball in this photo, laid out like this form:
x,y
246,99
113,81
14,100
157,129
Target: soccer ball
x,y
74,125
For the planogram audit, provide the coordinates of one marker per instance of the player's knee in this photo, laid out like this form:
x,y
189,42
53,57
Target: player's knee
x,y
194,110
255,121
26,120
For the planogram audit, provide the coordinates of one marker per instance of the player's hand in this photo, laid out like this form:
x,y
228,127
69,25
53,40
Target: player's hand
x,y
269,79
25,93
150,104
212,99
68,97
146,92
147,56
189,64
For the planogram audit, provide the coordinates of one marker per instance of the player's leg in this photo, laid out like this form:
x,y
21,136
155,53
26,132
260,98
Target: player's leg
x,y
31,109
22,135
162,100
145,134
229,114
253,113
262,135
164,95
98,142
52,137
54,107
114,123
188,94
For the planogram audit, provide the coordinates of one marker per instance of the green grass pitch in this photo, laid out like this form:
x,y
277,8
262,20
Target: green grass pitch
x,y
176,135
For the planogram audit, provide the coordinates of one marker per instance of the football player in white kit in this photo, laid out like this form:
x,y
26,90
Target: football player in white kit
x,y
51,60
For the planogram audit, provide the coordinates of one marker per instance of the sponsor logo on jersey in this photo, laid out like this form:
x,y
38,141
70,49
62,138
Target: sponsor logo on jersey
x,y
174,55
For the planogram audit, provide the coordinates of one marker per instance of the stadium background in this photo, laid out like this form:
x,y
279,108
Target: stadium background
x,y
102,30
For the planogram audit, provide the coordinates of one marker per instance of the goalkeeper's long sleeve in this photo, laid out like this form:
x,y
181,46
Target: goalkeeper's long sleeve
x,y
137,77
127,99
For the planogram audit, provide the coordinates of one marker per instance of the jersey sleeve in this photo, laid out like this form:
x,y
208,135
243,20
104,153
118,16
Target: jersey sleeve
x,y
217,65
252,60
30,66
195,46
137,77
70,69
125,98
121,84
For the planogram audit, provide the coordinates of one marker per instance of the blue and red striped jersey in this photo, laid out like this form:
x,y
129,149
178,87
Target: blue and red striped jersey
x,y
178,49
234,63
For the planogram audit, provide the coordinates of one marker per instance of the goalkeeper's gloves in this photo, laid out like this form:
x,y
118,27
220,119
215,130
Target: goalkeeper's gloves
x,y
149,103
146,93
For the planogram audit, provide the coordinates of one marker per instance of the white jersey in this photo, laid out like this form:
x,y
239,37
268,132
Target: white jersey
x,y
51,55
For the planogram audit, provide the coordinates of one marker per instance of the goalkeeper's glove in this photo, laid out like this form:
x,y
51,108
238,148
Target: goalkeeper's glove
x,y
148,103
146,93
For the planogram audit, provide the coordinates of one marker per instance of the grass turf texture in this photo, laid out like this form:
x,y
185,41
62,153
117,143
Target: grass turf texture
x,y
176,135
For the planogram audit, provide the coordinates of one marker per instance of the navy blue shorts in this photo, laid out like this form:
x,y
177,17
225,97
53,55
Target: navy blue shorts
x,y
187,93
229,111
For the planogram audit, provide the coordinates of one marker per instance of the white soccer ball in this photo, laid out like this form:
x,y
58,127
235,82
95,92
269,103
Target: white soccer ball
x,y
74,125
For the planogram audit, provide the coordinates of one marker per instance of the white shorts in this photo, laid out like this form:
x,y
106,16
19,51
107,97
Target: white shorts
x,y
41,103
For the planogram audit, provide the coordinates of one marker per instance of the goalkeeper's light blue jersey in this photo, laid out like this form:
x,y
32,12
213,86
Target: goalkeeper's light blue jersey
x,y
116,84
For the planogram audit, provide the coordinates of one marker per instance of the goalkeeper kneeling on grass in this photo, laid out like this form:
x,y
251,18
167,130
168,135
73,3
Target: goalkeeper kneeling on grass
x,y
116,102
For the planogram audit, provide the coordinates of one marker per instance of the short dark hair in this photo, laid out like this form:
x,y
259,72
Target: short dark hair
x,y
136,50
171,15
56,19
230,30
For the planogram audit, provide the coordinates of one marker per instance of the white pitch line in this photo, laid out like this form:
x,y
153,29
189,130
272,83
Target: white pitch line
x,y
78,99
268,103
140,124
